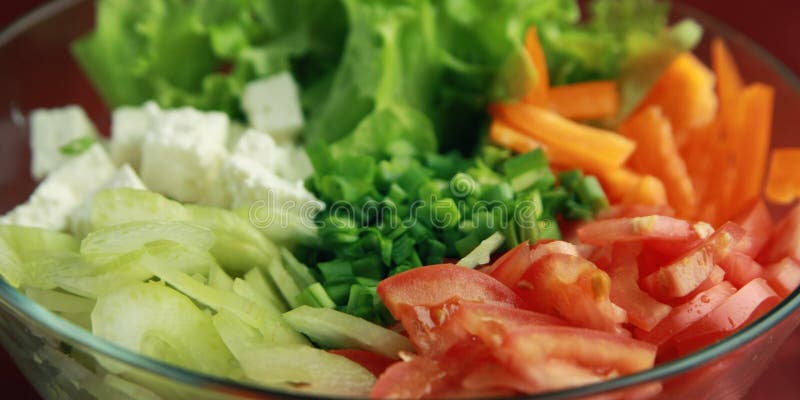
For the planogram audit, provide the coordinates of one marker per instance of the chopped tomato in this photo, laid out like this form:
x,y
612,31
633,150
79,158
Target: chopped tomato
x,y
610,231
490,322
373,362
634,210
785,239
525,348
553,247
741,268
436,284
644,312
511,265
748,303
758,225
783,276
682,276
572,288
412,379
688,313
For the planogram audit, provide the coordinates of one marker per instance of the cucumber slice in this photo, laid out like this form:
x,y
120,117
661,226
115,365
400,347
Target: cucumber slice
x,y
307,369
300,272
147,315
264,286
316,296
245,290
237,335
283,280
238,246
24,240
10,264
111,207
60,302
284,227
120,239
334,329
219,279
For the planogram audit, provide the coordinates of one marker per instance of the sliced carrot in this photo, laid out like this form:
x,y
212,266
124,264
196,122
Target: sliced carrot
x,y
729,81
539,92
582,144
783,181
699,157
685,92
587,100
657,154
503,135
749,142
627,187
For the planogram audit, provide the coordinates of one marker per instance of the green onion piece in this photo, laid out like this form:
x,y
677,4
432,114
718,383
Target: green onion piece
x,y
481,254
315,296
77,146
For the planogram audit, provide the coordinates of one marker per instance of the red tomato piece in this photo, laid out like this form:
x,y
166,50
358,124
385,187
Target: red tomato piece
x,y
758,225
740,268
603,232
681,277
413,379
511,265
785,239
553,247
436,284
572,288
491,322
682,316
431,329
373,362
526,348
643,311
634,210
748,303
783,276
716,276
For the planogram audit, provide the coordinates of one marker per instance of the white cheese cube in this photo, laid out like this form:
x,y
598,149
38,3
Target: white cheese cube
x,y
248,182
258,147
62,191
80,218
129,125
235,132
272,105
182,153
292,163
50,130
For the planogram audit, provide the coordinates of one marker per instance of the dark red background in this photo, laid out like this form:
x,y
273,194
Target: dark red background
x,y
772,23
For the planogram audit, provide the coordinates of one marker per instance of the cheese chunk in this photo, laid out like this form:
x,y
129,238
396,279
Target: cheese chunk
x,y
288,161
63,190
272,105
80,218
129,126
50,130
248,182
182,154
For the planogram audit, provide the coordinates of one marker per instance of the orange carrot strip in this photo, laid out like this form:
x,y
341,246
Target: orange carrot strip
x,y
588,100
649,191
503,135
627,187
539,92
783,181
657,154
729,81
749,143
685,93
582,144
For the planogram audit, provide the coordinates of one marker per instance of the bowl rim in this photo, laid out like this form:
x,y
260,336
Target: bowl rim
x,y
17,303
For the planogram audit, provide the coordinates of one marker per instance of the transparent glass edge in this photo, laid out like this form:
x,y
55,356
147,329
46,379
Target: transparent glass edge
x,y
19,304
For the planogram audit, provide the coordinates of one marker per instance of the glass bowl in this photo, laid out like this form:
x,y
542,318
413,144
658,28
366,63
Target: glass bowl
x,y
36,70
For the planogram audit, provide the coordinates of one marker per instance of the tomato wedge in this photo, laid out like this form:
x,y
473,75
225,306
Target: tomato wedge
x,y
740,268
511,265
634,210
603,232
785,239
758,225
490,322
572,288
412,379
681,277
644,312
554,247
682,316
373,362
783,276
747,304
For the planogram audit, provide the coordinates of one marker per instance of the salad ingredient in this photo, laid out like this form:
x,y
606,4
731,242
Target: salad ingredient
x,y
80,220
273,105
483,252
586,100
51,130
783,276
782,184
334,329
129,126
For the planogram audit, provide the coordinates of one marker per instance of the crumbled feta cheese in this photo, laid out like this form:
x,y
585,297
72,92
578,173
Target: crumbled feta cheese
x,y
62,191
50,130
80,218
235,132
247,182
258,147
129,125
292,163
182,153
272,105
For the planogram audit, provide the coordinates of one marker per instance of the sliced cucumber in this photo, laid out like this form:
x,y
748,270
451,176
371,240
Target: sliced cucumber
x,y
300,272
263,286
10,264
284,227
316,296
60,302
283,280
119,206
219,279
245,290
239,246
25,240
334,329
120,239
308,369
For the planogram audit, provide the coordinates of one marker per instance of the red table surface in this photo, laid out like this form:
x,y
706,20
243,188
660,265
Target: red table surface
x,y
772,23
